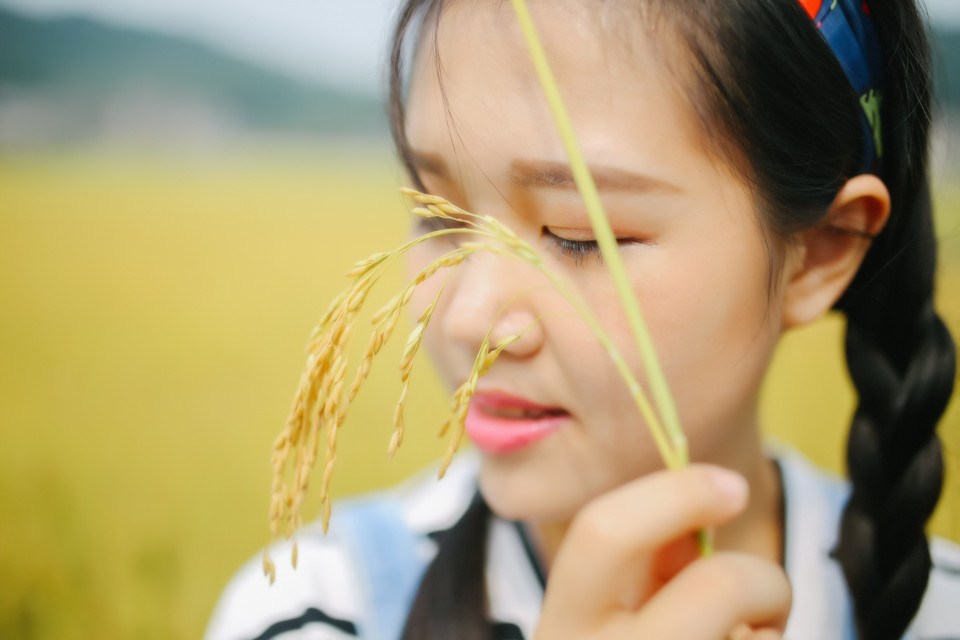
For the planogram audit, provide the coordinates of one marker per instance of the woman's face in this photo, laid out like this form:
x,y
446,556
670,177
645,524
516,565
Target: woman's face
x,y
555,424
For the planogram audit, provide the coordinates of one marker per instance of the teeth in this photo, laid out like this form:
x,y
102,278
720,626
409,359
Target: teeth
x,y
516,413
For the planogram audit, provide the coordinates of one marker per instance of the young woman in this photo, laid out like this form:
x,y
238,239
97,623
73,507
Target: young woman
x,y
761,162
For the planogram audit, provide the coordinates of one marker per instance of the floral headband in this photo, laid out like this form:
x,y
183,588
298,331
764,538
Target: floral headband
x,y
847,27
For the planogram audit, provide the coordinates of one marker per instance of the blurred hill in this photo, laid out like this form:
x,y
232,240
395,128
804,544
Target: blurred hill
x,y
73,80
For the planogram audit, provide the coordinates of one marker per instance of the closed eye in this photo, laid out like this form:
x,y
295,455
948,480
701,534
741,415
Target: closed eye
x,y
582,250
578,250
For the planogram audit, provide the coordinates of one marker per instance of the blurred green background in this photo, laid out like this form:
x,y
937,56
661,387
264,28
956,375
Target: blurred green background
x,y
160,268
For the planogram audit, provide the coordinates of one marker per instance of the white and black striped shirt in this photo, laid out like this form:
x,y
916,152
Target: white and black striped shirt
x,y
359,581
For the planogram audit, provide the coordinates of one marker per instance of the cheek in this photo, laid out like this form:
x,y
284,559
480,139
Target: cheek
x,y
613,444
716,328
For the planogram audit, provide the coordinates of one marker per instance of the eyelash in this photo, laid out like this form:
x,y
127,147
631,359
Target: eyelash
x,y
579,251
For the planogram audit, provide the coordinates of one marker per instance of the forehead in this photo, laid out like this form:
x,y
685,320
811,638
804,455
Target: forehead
x,y
475,94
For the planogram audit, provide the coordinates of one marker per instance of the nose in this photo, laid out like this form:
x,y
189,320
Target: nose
x,y
493,293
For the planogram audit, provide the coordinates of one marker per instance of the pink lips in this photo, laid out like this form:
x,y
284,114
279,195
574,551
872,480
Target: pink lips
x,y
498,422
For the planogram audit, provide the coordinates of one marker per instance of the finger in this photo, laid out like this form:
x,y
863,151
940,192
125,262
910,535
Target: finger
x,y
744,632
672,558
611,540
718,594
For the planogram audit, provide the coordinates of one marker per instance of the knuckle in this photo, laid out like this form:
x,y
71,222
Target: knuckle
x,y
785,589
734,576
772,579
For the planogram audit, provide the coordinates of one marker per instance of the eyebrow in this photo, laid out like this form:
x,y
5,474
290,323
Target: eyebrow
x,y
555,175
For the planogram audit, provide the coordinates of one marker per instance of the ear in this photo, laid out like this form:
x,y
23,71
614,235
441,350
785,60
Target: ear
x,y
825,258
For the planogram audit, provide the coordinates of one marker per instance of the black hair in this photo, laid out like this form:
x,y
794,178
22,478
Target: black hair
x,y
789,121
452,599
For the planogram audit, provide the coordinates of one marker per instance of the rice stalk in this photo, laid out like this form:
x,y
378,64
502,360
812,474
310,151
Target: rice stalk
x,y
406,364
605,239
323,396
675,438
461,400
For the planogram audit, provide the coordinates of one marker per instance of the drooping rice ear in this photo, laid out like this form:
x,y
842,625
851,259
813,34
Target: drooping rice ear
x,y
269,568
462,404
325,515
398,423
364,266
321,401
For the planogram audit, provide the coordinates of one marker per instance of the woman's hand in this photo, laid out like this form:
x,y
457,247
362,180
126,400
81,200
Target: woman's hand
x,y
628,567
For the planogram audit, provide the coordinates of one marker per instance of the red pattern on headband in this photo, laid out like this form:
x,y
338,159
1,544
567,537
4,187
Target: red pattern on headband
x,y
813,6
848,29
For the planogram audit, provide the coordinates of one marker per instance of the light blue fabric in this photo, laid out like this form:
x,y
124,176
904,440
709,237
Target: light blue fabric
x,y
388,562
836,496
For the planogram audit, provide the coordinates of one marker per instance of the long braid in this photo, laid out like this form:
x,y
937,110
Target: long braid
x,y
894,461
901,359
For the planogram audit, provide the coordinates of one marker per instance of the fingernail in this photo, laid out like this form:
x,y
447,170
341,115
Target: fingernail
x,y
732,486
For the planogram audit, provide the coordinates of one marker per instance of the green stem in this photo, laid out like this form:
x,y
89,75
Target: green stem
x,y
609,249
660,437
604,236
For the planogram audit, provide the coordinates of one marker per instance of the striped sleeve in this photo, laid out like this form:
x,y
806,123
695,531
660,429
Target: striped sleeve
x,y
320,600
335,590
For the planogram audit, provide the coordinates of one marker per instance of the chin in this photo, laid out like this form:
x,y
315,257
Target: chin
x,y
523,494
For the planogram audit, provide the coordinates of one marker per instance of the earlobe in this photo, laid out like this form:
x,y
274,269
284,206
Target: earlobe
x,y
828,255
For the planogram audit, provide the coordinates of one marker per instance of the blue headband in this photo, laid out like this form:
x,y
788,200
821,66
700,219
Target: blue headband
x,y
848,29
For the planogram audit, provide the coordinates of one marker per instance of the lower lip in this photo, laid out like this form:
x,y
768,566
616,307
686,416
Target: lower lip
x,y
494,434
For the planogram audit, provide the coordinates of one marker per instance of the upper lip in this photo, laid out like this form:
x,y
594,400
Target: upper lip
x,y
495,399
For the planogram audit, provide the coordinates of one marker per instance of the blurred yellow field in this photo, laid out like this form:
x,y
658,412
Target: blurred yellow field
x,y
151,335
